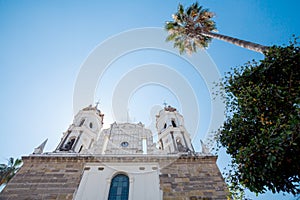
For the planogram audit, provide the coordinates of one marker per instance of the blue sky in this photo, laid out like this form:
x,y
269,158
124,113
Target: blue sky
x,y
43,45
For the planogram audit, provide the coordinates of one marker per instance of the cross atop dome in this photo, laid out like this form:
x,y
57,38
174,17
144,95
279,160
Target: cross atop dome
x,y
165,104
97,103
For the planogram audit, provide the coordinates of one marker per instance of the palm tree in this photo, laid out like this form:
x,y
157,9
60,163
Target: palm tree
x,y
194,28
9,170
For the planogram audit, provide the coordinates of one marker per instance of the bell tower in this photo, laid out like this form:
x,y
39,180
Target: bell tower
x,y
120,162
172,135
83,133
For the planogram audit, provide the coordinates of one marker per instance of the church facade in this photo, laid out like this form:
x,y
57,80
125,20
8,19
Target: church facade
x,y
121,162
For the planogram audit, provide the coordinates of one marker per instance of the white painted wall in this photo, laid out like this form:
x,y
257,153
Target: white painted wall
x,y
143,178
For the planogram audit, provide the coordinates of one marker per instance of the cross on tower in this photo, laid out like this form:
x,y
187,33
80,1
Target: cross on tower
x,y
97,103
165,104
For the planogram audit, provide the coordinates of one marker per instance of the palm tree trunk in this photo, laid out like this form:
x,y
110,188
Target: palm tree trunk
x,y
242,43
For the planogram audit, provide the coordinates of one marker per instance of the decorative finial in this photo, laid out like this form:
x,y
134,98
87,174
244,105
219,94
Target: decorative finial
x,y
205,149
40,149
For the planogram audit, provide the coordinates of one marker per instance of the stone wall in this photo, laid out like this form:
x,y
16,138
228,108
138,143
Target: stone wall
x,y
45,178
58,177
192,178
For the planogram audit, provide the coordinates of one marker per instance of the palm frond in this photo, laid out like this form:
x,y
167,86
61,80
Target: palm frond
x,y
9,170
180,9
171,37
186,28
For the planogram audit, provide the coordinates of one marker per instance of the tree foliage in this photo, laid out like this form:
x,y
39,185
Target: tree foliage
x,y
7,171
262,127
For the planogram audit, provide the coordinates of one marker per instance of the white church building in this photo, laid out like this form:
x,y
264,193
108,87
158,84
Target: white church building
x,y
119,163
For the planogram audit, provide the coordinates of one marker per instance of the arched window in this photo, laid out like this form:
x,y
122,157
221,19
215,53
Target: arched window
x,y
119,188
80,149
165,126
68,146
180,147
81,122
161,144
173,123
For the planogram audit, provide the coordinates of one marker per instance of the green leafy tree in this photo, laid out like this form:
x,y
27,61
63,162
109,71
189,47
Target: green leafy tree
x,y
262,128
193,27
7,171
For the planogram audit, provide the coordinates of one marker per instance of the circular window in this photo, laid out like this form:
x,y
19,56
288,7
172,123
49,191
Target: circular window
x,y
124,144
